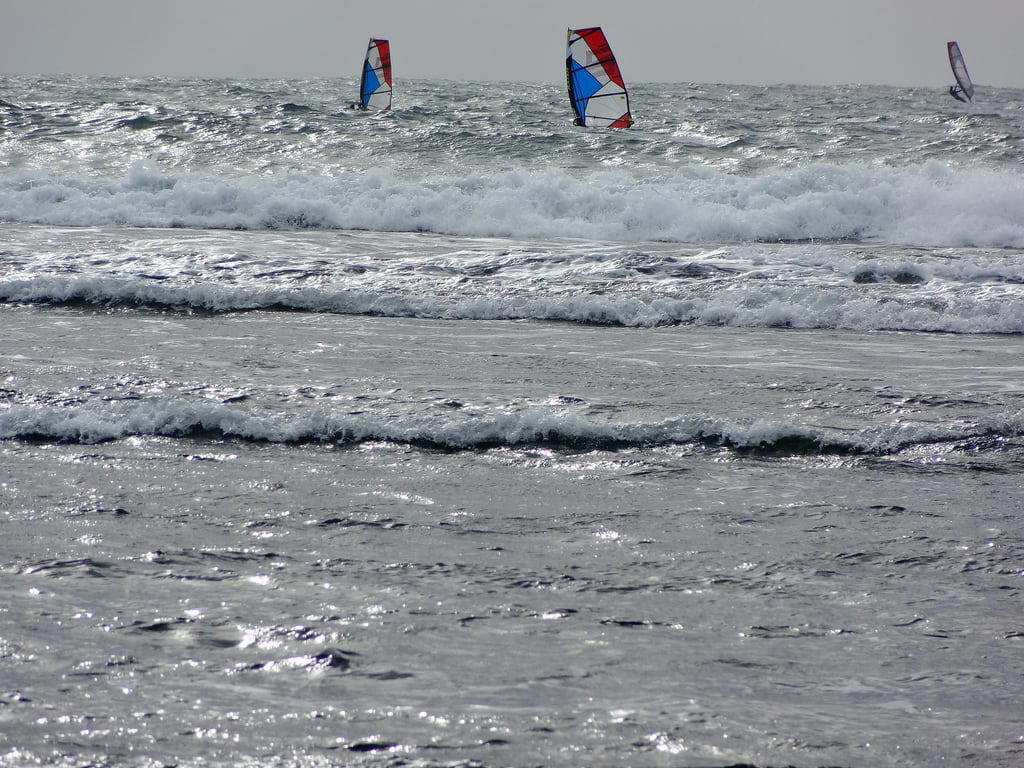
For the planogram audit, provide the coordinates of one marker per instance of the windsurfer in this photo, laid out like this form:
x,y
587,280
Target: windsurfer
x,y
955,91
597,92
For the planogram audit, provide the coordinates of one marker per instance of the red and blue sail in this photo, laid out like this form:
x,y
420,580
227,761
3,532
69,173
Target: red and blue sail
x,y
375,83
597,91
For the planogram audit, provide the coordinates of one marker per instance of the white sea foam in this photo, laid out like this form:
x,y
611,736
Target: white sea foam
x,y
751,304
930,204
533,425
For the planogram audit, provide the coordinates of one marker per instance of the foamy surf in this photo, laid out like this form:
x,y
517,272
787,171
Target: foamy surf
x,y
928,205
523,427
758,303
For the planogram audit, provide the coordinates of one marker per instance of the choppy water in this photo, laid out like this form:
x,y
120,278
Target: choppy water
x,y
460,436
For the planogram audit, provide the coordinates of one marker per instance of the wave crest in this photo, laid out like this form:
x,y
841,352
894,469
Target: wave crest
x,y
529,427
750,305
930,204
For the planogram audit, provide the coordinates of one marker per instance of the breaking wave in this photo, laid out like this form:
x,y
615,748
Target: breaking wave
x,y
532,426
750,305
931,204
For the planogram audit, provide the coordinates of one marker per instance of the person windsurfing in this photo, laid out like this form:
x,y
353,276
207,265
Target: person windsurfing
x,y
964,88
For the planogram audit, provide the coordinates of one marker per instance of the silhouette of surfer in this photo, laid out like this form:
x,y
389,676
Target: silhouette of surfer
x,y
955,91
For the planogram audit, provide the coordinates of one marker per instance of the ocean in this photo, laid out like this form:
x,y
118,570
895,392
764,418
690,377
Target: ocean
x,y
461,436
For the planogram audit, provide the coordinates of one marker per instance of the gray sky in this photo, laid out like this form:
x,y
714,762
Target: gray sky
x,y
898,42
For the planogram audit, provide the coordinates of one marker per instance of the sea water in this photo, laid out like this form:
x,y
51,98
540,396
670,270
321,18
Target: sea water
x,y
461,436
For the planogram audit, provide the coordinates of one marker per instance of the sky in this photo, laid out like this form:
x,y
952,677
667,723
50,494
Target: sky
x,y
895,42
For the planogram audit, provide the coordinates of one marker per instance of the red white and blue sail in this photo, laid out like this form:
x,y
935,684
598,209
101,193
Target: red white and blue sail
x,y
375,83
596,89
956,61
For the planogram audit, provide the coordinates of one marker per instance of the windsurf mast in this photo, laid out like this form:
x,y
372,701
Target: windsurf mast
x,y
963,80
597,91
375,83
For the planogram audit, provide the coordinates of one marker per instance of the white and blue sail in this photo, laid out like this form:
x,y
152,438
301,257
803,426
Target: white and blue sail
x,y
597,91
375,81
